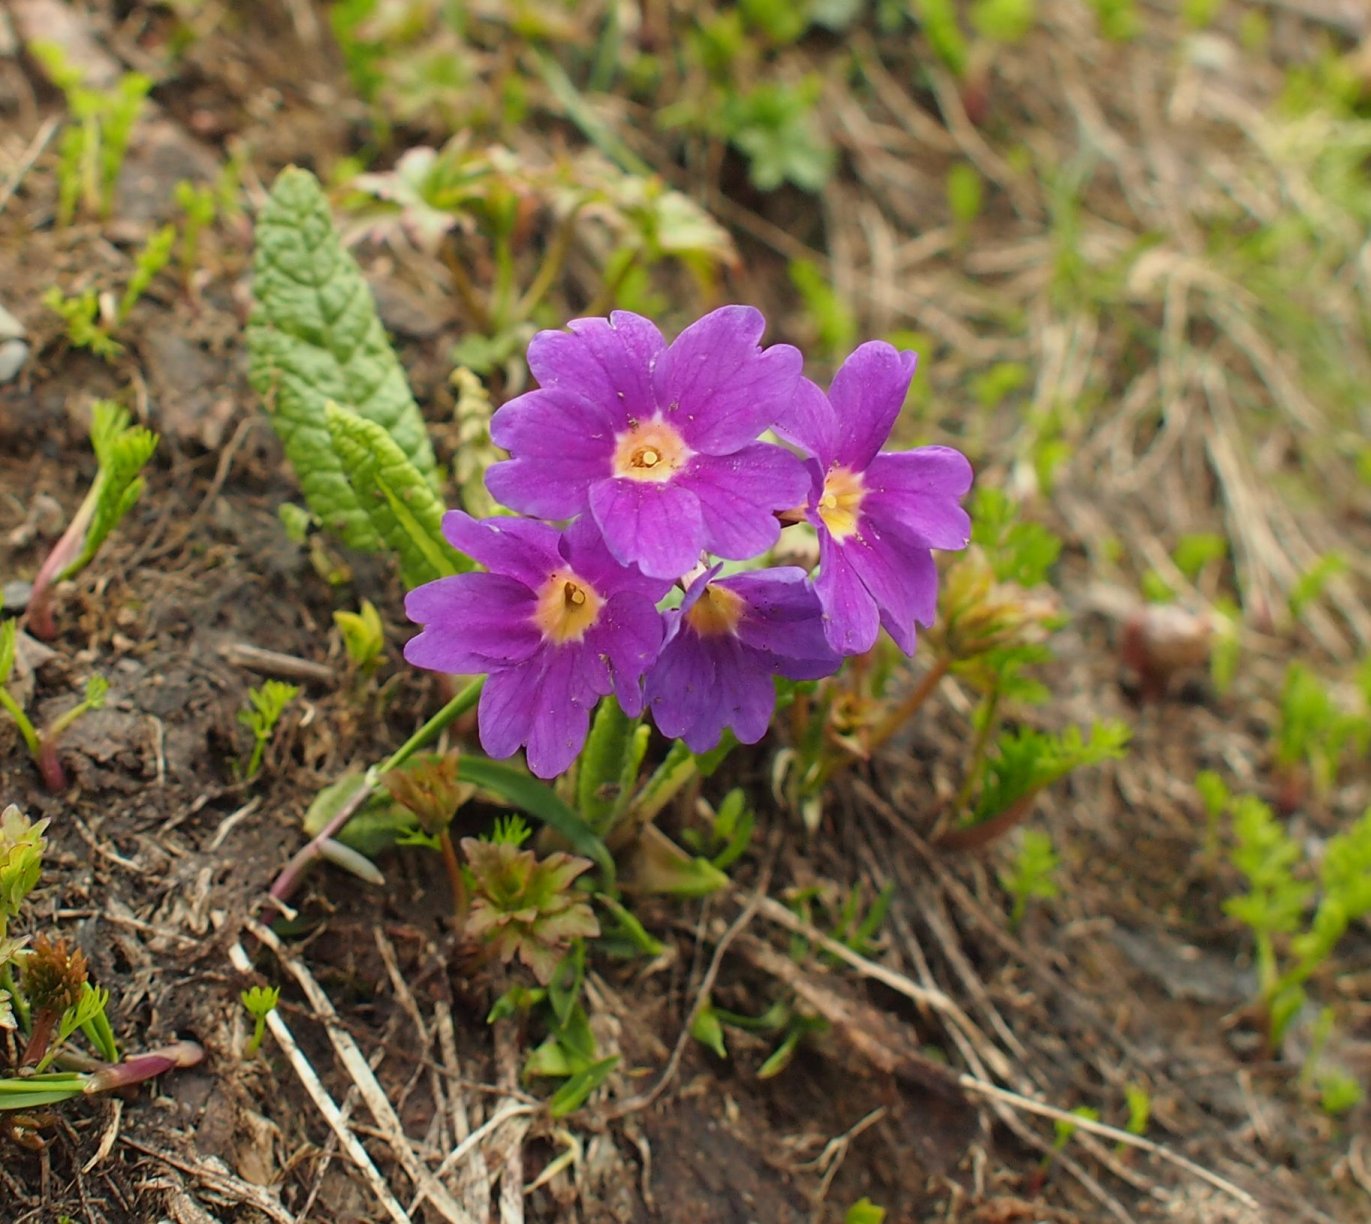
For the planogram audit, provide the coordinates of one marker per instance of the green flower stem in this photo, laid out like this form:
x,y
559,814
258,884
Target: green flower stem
x,y
286,883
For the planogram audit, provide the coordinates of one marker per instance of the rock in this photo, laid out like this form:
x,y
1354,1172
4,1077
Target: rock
x,y
13,354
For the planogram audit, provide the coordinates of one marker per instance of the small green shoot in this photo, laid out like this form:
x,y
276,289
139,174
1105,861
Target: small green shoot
x,y
834,324
85,329
1217,799
776,126
122,450
1310,585
42,745
154,256
1029,875
261,714
965,195
364,637
864,1211
260,1002
92,148
199,207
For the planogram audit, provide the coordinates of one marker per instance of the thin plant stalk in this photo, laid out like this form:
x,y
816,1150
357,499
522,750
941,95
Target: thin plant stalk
x,y
288,880
454,875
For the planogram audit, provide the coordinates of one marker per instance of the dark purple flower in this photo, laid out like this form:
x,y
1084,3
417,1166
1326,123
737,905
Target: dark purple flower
x,y
724,644
878,514
556,621
657,442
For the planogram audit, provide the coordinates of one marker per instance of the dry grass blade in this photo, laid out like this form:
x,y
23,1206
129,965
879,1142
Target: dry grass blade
x,y
373,1095
325,1103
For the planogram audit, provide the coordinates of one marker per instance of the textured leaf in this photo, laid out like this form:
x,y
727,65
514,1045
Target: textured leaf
x,y
314,336
403,509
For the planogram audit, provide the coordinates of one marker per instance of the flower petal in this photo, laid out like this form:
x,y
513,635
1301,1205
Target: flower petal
x,y
851,621
472,623
739,494
919,490
718,387
560,444
899,574
680,687
784,623
867,394
504,714
606,361
657,527
520,548
810,423
585,551
746,696
629,634
569,686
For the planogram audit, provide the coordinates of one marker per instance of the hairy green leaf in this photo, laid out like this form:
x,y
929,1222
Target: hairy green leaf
x,y
314,336
402,507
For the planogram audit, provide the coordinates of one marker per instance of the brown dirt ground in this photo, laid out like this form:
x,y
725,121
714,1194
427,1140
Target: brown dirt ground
x,y
159,855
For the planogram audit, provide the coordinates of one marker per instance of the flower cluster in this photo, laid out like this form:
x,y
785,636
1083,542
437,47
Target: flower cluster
x,y
652,453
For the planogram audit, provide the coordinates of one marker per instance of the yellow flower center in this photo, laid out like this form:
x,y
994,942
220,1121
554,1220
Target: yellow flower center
x,y
650,451
841,501
716,613
567,607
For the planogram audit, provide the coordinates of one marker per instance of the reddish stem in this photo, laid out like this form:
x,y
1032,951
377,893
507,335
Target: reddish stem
x,y
44,1022
50,766
978,835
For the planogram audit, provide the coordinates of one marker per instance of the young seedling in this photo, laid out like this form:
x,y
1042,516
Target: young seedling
x,y
260,1002
364,637
429,788
42,744
93,146
1029,875
525,905
86,329
122,451
44,995
260,716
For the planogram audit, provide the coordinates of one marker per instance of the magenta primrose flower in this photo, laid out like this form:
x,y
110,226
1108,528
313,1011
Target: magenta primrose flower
x,y
556,621
878,514
657,442
724,644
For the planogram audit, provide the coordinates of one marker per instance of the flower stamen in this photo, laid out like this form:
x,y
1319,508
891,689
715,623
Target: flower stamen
x,y
840,502
650,451
567,607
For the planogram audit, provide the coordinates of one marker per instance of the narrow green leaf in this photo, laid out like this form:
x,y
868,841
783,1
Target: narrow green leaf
x,y
403,509
572,1095
530,795
315,336
599,772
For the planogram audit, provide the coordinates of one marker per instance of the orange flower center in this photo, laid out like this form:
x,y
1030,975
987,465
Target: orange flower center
x,y
567,607
716,613
650,451
841,501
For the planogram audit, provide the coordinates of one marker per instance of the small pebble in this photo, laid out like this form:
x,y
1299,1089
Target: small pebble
x,y
16,595
13,354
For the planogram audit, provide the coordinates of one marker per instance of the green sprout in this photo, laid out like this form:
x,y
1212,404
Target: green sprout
x,y
42,744
1030,875
864,1211
260,716
84,327
122,451
364,637
199,207
1289,950
154,256
92,149
1314,733
260,1002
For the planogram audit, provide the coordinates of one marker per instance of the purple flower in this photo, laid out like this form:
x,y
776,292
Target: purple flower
x,y
878,514
657,442
556,621
724,644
